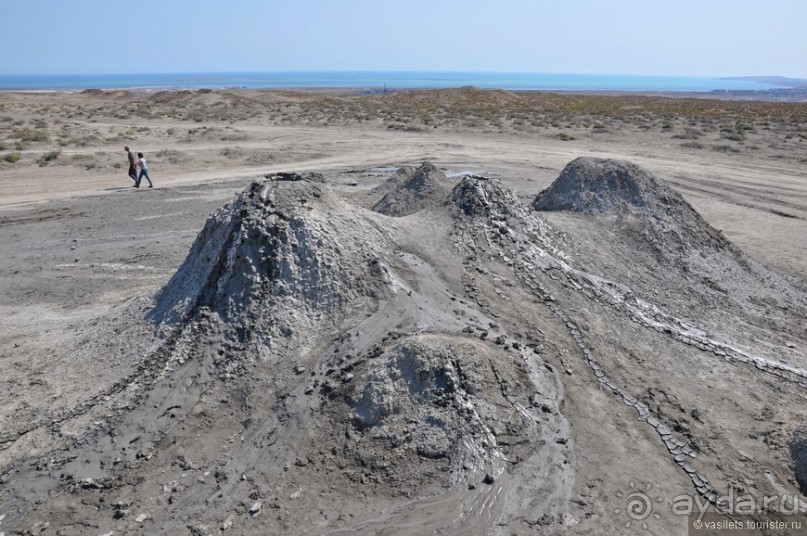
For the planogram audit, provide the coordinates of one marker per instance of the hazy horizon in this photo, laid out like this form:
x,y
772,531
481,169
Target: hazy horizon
x,y
435,71
685,38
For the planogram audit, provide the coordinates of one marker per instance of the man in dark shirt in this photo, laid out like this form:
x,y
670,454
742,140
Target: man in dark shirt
x,y
132,168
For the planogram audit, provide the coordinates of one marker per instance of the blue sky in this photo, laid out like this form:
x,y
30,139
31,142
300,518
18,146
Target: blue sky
x,y
648,37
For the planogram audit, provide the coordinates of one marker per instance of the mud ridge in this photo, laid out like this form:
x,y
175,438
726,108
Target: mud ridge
x,y
512,231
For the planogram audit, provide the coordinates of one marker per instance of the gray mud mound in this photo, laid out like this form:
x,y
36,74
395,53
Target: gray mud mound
x,y
401,175
642,207
602,185
278,243
284,259
426,403
619,188
628,225
426,187
484,197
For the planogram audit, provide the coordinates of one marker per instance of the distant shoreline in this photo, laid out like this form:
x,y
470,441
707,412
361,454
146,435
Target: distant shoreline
x,y
392,80
768,95
780,81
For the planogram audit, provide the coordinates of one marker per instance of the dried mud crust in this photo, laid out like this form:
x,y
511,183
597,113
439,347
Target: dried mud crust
x,y
610,189
266,284
434,407
324,369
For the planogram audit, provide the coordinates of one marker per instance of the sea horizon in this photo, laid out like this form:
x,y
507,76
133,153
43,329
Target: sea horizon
x,y
376,80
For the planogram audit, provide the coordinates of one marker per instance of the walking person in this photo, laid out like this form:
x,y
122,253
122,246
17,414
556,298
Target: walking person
x,y
144,171
132,166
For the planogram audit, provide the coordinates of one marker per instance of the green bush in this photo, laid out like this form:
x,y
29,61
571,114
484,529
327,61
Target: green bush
x,y
47,158
12,157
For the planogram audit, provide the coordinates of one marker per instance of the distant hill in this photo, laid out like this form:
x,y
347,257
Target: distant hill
x,y
774,80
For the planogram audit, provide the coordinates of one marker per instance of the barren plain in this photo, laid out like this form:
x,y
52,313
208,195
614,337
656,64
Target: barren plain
x,y
421,332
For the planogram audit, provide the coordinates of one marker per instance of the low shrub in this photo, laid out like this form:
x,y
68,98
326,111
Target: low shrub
x,y
30,134
48,157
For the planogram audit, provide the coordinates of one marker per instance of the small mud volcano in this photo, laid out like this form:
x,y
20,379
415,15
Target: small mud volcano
x,y
603,185
426,187
432,397
484,197
401,175
644,204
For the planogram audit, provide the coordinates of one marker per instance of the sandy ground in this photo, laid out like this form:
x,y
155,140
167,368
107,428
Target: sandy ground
x,y
83,254
744,171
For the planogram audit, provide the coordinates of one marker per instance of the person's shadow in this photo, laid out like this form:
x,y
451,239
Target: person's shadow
x,y
116,189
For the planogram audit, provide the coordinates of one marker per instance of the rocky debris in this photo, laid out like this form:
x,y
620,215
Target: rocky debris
x,y
255,509
197,530
544,521
426,187
121,509
798,453
294,177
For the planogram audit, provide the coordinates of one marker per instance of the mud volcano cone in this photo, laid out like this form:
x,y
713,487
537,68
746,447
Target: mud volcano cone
x,y
283,255
622,190
401,175
426,187
598,185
